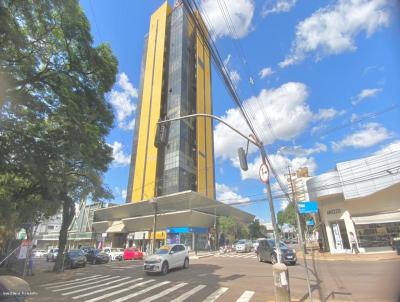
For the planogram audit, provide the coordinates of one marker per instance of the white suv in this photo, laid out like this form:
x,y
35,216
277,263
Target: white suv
x,y
167,257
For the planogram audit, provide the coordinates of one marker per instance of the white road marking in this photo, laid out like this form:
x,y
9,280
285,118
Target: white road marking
x,y
95,286
215,295
106,288
141,291
186,295
84,284
67,281
87,279
119,291
164,292
246,296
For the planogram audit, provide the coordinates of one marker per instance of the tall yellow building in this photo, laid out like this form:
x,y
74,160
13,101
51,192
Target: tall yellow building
x,y
175,81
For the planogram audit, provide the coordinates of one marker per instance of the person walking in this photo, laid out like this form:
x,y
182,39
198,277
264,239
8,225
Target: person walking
x,y
354,247
30,261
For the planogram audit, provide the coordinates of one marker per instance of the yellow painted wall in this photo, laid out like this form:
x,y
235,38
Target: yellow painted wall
x,y
205,158
144,181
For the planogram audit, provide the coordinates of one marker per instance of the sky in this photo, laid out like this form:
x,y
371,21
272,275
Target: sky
x,y
320,80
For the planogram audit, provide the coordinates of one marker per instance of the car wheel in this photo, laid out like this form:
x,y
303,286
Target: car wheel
x,y
186,263
273,259
164,268
293,263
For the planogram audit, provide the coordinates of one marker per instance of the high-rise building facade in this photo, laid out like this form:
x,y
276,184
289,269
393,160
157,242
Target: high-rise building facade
x,y
175,81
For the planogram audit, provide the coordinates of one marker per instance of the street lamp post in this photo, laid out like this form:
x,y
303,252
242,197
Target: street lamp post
x,y
153,201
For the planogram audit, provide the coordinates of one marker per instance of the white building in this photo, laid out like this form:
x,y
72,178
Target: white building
x,y
361,197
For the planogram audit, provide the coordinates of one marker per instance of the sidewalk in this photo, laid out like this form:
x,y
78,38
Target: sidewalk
x,y
349,257
202,254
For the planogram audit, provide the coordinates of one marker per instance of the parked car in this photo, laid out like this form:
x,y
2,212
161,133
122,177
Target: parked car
x,y
74,258
267,252
114,253
257,243
96,256
244,246
39,253
132,253
86,249
52,255
167,257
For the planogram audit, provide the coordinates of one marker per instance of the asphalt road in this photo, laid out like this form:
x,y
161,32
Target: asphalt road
x,y
233,277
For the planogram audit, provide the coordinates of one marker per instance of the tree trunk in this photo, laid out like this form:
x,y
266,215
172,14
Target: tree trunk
x,y
67,216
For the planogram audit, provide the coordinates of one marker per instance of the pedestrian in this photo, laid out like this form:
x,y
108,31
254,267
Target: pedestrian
x,y
354,247
30,261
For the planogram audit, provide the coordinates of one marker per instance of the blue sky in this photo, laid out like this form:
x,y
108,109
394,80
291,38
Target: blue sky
x,y
320,78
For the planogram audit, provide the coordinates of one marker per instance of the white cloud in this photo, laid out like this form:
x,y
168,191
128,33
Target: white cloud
x,y
228,195
278,7
366,93
233,73
327,114
265,72
123,194
301,151
120,158
332,30
369,135
392,147
240,12
286,109
122,101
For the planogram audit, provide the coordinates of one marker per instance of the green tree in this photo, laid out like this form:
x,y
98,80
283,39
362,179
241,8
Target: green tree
x,y
232,228
288,215
256,230
54,117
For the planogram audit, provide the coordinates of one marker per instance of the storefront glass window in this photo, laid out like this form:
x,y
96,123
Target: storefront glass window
x,y
377,235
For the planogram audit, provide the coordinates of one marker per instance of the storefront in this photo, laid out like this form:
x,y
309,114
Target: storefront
x,y
195,238
354,207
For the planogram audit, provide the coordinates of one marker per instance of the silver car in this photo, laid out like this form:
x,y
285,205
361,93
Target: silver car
x,y
52,255
165,258
244,246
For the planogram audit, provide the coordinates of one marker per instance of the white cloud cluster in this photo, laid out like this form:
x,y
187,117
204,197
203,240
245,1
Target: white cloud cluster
x,y
228,195
327,114
366,93
240,12
301,151
280,6
284,109
265,72
392,147
120,158
280,164
333,29
369,135
233,73
122,101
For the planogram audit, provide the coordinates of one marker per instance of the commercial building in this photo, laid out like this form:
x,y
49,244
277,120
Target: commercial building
x,y
360,199
171,180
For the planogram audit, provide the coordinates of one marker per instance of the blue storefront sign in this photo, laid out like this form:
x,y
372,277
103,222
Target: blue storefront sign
x,y
310,222
308,207
179,230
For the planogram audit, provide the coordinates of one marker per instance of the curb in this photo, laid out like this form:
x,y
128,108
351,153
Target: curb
x,y
201,256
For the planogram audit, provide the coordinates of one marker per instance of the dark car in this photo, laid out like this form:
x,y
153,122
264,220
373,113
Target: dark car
x,y
74,258
267,252
97,256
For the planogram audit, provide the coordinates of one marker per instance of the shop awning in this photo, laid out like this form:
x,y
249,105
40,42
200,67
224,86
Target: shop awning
x,y
378,218
116,227
101,226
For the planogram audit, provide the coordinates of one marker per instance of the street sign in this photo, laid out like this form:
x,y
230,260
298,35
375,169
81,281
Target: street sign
x,y
310,222
308,207
264,173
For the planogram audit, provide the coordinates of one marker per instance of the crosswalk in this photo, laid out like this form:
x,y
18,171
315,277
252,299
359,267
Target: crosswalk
x,y
237,255
124,288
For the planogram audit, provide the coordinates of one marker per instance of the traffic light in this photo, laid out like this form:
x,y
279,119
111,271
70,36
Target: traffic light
x,y
242,159
161,135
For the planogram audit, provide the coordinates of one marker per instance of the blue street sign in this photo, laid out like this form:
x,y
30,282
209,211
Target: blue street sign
x,y
308,207
310,222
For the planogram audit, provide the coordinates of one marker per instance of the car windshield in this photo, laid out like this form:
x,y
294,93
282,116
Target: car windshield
x,y
75,253
272,244
115,250
241,242
163,250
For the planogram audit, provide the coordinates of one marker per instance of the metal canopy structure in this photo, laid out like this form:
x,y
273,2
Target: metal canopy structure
x,y
172,206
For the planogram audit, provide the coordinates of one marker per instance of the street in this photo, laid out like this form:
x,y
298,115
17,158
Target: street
x,y
226,277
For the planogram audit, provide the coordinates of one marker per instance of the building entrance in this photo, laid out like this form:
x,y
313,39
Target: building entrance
x,y
340,237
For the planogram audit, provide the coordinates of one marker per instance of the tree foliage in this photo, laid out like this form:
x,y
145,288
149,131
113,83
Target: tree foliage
x,y
288,215
232,228
256,230
54,117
